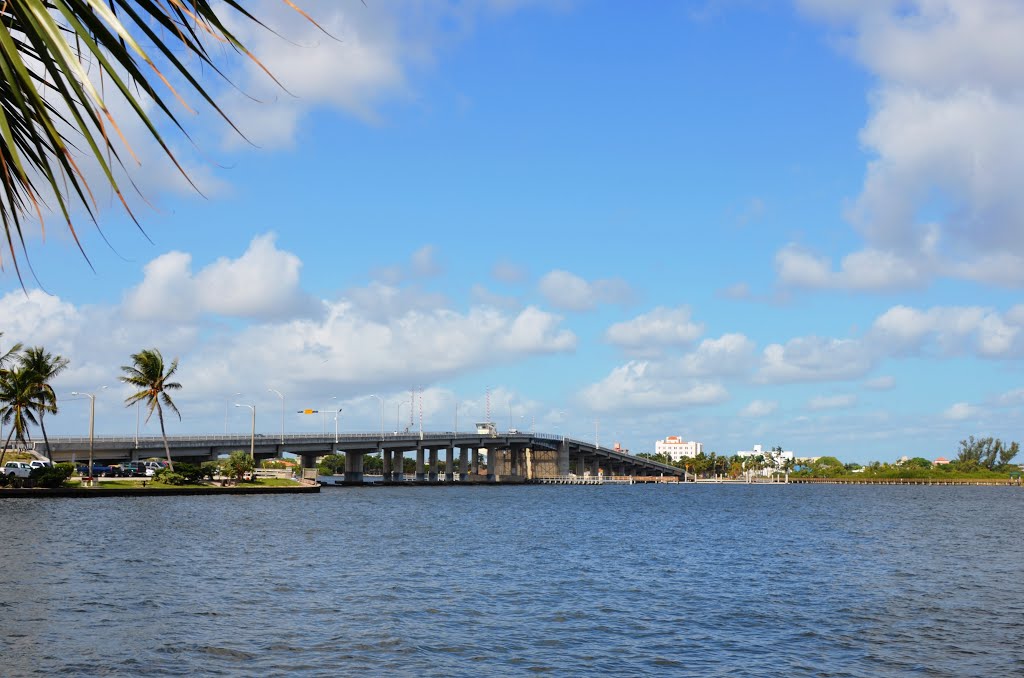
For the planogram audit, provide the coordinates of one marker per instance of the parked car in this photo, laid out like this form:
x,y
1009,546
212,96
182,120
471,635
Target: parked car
x,y
39,463
99,470
155,466
17,468
134,469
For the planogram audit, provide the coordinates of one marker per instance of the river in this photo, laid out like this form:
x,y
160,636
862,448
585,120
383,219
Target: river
x,y
493,581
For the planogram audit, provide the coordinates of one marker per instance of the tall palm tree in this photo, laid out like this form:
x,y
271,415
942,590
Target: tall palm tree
x,y
17,404
44,367
148,375
59,59
9,356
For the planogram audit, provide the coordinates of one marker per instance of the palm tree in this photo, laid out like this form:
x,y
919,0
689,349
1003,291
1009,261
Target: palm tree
x,y
17,404
147,374
44,367
9,356
60,58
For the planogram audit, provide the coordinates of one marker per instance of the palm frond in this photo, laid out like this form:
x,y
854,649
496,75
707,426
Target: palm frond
x,y
53,116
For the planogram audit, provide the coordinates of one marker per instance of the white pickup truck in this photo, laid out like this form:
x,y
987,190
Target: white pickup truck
x,y
16,468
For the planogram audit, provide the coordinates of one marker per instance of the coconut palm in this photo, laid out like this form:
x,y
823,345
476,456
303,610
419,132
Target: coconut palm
x,y
63,62
17,404
147,374
9,355
44,367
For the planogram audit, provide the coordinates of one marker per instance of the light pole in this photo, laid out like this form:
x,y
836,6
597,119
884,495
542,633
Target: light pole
x,y
597,433
398,416
336,413
324,417
92,421
226,401
381,414
281,396
252,437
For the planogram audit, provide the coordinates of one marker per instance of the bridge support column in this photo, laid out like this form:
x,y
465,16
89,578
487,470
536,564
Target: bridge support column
x,y
420,474
562,460
308,460
385,458
463,463
353,467
581,464
449,464
399,465
432,471
476,460
492,464
595,467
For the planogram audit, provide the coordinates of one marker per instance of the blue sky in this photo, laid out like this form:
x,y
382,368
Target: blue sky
x,y
786,223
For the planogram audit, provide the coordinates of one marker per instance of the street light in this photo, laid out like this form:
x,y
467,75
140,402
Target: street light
x,y
252,438
398,415
226,401
281,396
92,420
381,414
324,415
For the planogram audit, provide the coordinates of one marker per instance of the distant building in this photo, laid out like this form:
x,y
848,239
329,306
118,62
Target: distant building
x,y
675,448
941,461
773,460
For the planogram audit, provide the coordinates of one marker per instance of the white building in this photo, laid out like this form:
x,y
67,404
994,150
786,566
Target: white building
x,y
675,448
773,460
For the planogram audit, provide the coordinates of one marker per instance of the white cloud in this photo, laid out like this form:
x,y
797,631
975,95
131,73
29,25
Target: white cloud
x,y
865,270
262,283
952,330
759,408
508,272
814,359
960,411
730,354
883,383
832,402
654,329
569,292
941,196
641,385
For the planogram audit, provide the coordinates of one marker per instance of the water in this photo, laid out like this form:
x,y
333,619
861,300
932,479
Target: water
x,y
643,580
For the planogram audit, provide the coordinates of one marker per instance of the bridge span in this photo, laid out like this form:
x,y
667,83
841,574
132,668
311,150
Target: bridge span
x,y
524,456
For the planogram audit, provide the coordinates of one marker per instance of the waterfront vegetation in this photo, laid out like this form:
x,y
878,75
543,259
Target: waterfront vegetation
x,y
976,459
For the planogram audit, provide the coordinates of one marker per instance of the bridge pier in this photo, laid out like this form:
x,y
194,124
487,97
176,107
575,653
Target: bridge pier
x,y
398,465
562,460
581,465
492,464
463,463
432,471
449,464
420,474
353,467
308,460
476,460
385,458
595,467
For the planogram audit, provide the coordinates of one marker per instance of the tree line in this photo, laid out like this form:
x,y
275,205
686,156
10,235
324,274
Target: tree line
x,y
27,394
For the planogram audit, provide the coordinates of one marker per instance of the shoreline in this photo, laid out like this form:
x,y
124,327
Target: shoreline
x,y
90,492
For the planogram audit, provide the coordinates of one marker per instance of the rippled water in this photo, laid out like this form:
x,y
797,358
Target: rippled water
x,y
643,580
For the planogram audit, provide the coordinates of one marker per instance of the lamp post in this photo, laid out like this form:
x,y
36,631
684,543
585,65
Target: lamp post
x,y
398,416
92,421
324,417
252,437
226,401
381,414
281,396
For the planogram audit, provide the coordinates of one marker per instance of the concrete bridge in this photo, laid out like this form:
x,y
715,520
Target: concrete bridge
x,y
512,456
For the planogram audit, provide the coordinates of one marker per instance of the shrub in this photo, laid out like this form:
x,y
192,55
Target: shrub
x,y
193,473
173,478
237,464
4,480
209,469
51,476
